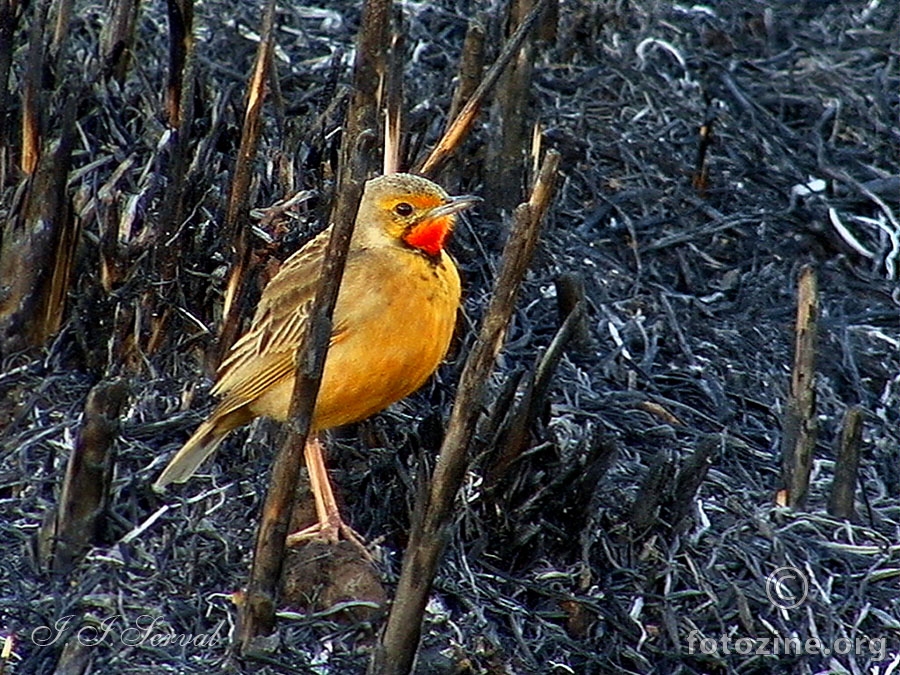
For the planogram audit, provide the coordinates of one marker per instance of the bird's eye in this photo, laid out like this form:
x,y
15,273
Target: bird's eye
x,y
403,209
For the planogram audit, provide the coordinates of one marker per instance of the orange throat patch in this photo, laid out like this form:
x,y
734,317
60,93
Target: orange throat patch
x,y
429,235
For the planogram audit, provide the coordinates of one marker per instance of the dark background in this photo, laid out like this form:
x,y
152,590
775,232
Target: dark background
x,y
589,554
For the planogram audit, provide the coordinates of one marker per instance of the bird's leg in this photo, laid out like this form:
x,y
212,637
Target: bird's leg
x,y
326,505
330,525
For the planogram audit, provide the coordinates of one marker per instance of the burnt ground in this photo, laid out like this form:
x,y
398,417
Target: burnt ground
x,y
584,556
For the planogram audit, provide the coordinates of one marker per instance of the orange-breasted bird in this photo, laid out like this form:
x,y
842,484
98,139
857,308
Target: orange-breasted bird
x,y
393,321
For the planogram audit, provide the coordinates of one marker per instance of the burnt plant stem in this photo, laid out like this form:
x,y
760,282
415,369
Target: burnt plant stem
x,y
393,120
72,527
258,609
396,650
462,123
471,63
799,438
523,415
181,18
846,468
117,38
505,175
236,227
361,122
9,11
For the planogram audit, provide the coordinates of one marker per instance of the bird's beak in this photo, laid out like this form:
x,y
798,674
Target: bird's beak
x,y
454,205
430,230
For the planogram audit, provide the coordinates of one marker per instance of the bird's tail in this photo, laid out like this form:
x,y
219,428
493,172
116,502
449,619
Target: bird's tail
x,y
199,446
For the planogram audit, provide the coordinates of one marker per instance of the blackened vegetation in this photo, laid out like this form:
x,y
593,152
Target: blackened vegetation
x,y
624,486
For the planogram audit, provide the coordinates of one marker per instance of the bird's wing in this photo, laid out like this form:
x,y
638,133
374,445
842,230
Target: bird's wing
x,y
264,355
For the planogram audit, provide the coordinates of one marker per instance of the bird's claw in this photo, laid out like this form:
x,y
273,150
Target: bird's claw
x,y
330,532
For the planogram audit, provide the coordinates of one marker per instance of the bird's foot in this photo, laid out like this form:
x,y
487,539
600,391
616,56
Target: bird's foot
x,y
330,531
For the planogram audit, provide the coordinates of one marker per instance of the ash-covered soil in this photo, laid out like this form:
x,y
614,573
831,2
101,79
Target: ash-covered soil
x,y
590,553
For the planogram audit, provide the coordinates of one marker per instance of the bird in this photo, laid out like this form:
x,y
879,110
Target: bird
x,y
393,321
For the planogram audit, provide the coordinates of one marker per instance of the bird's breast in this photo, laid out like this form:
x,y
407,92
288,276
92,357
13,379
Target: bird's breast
x,y
394,318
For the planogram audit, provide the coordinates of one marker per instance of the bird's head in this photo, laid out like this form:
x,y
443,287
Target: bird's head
x,y
409,210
